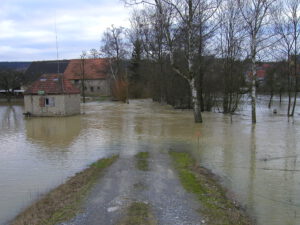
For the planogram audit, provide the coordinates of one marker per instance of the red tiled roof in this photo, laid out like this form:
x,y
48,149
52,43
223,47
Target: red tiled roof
x,y
94,69
52,84
261,73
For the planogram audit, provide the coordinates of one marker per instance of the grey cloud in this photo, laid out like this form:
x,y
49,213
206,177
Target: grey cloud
x,y
27,27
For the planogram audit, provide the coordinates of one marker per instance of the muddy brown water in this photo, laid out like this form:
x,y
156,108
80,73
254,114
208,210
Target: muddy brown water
x,y
259,164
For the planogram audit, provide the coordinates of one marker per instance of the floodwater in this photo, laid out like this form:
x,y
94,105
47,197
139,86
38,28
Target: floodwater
x,y
258,164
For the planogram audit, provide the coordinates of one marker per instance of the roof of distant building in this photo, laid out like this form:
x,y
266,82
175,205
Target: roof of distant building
x,y
36,69
94,69
52,84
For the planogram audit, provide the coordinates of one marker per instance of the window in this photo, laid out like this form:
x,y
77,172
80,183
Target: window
x,y
76,81
92,89
50,102
98,88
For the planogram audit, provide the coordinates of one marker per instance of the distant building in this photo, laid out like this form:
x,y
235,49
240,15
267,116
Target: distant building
x,y
52,95
261,72
94,72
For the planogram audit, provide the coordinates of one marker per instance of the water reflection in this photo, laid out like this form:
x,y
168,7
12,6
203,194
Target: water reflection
x,y
9,118
259,163
53,131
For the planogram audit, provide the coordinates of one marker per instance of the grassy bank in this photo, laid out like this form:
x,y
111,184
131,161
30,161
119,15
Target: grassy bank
x,y
138,213
216,207
63,202
141,159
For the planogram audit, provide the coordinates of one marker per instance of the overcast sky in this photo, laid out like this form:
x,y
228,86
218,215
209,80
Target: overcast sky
x,y
27,27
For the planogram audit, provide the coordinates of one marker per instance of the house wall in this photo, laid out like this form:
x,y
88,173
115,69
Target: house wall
x,y
94,87
63,105
72,104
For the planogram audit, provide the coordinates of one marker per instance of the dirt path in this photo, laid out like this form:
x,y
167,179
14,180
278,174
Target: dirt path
x,y
124,183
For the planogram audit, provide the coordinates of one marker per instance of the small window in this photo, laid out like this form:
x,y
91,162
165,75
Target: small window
x,y
76,81
98,88
92,89
50,102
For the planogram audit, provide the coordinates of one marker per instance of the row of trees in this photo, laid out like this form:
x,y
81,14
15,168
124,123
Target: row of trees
x,y
10,80
192,53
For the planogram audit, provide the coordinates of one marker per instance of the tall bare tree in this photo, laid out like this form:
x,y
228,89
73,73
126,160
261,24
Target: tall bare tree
x,y
256,14
82,73
231,38
114,48
287,26
293,16
94,54
186,26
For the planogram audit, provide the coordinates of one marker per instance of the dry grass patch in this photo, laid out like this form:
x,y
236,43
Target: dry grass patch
x,y
217,208
63,202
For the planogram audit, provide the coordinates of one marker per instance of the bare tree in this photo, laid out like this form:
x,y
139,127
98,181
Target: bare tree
x,y
186,26
114,47
146,27
231,38
82,72
293,7
256,14
94,54
287,26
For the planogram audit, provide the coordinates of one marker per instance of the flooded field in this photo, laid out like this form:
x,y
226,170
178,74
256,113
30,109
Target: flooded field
x,y
259,164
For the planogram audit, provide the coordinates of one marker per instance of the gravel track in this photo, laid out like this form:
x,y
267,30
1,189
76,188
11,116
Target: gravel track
x,y
123,184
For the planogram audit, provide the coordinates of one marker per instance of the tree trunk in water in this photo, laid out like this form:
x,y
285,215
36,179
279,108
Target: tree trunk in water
x,y
290,99
8,97
253,91
270,101
280,95
225,103
296,91
295,102
195,102
83,91
253,101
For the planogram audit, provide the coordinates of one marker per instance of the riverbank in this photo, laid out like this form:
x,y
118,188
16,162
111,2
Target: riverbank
x,y
159,188
143,190
217,208
64,202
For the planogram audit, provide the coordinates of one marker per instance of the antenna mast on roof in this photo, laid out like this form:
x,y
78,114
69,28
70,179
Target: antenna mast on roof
x,y
57,56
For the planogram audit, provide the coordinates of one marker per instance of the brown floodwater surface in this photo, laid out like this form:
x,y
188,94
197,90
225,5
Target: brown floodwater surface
x,y
259,163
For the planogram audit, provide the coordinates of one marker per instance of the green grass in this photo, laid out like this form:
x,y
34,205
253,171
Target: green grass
x,y
64,202
141,159
138,213
139,186
102,98
216,207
